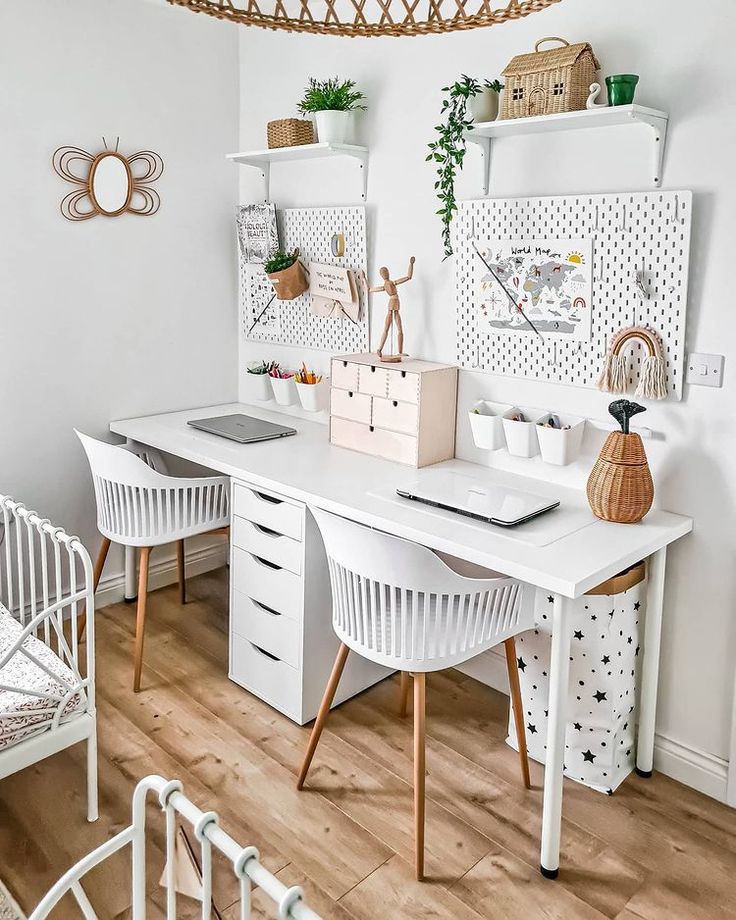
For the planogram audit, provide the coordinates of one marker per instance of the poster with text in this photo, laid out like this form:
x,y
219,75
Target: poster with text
x,y
547,283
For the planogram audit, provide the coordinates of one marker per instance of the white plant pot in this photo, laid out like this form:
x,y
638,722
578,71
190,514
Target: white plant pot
x,y
521,437
334,127
484,106
313,396
486,424
561,446
258,386
284,390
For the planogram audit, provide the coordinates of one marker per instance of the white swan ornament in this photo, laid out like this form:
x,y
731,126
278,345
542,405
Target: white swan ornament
x,y
595,89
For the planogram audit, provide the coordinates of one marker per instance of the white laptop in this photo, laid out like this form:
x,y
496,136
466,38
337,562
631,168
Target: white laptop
x,y
494,504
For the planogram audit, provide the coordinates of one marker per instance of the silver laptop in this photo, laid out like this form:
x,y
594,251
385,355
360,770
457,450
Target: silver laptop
x,y
242,428
494,504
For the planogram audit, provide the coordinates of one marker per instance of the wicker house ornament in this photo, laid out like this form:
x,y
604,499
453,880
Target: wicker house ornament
x,y
549,82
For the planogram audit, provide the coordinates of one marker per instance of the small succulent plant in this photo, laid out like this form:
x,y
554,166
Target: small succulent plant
x,y
623,410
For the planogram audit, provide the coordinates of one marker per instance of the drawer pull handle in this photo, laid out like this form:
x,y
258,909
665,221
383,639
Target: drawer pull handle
x,y
263,652
373,369
266,531
403,375
270,565
371,428
344,363
267,498
266,608
350,393
395,404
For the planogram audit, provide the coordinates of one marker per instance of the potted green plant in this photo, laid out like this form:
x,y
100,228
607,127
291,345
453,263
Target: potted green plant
x,y
484,104
448,151
286,274
332,102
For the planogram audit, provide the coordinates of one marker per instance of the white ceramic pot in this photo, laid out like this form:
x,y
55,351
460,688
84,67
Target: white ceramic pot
x,y
484,106
486,423
313,396
258,386
521,437
561,446
284,390
334,127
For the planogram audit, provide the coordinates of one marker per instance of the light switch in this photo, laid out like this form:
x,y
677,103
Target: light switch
x,y
705,370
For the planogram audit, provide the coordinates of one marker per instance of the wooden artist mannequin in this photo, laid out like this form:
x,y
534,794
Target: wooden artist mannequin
x,y
393,315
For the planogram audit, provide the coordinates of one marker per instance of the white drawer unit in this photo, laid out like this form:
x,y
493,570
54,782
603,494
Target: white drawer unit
x,y
282,646
403,412
267,544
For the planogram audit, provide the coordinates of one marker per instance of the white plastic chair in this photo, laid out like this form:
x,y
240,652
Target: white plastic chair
x,y
400,605
141,507
204,827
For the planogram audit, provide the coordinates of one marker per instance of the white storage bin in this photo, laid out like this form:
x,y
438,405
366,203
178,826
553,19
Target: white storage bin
x,y
486,424
284,390
313,396
561,446
521,437
258,387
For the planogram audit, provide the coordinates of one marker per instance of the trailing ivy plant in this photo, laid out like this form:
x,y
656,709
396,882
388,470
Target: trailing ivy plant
x,y
448,151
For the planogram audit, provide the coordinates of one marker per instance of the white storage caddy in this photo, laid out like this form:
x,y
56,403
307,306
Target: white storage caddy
x,y
521,437
560,446
282,645
486,423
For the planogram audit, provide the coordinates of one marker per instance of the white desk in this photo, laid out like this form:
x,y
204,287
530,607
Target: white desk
x,y
308,469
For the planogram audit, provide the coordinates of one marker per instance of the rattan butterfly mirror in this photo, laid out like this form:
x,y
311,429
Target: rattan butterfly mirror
x,y
108,183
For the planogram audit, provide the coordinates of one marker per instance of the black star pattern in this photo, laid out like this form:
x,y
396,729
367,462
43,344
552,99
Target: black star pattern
x,y
630,640
588,756
599,696
606,659
577,726
532,729
550,599
637,605
577,634
593,616
522,664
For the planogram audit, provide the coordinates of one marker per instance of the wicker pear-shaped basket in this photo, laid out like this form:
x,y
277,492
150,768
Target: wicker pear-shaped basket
x,y
620,486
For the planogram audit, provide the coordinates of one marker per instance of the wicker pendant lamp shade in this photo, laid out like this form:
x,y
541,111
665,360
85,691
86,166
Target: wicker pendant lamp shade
x,y
366,17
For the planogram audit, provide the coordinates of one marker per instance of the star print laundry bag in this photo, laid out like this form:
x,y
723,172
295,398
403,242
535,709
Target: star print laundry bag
x,y
600,738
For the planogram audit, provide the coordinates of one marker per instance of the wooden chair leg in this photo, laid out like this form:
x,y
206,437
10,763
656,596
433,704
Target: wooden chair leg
x,y
96,576
140,624
324,711
182,574
404,697
419,771
518,708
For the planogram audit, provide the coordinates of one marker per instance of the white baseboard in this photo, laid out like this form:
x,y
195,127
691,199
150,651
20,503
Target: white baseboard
x,y
690,766
163,571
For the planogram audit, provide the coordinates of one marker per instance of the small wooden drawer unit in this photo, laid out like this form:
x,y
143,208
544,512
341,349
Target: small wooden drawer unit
x,y
282,645
403,412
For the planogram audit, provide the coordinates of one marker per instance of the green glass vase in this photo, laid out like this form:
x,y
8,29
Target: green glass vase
x,y
621,88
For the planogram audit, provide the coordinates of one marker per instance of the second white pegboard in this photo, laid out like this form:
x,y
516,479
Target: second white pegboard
x,y
291,322
645,232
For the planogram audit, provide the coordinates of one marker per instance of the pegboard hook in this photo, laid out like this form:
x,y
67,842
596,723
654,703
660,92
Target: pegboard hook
x,y
553,362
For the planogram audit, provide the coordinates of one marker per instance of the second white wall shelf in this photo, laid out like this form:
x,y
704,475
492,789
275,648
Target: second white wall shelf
x,y
262,159
484,132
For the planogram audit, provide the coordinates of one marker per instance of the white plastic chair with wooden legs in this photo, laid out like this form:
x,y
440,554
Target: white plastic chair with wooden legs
x,y
141,507
405,607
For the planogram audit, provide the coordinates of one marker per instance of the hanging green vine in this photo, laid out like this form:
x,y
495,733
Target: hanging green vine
x,y
448,151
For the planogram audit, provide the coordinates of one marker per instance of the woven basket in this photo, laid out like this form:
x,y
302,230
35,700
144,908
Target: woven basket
x,y
620,486
289,132
549,82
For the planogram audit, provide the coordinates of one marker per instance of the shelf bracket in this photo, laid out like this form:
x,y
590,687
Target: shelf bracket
x,y
265,169
484,143
659,129
362,159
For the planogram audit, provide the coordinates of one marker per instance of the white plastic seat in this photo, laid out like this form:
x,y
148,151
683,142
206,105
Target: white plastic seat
x,y
404,606
140,506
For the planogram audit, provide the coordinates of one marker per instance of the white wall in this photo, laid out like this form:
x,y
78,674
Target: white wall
x,y
685,64
110,317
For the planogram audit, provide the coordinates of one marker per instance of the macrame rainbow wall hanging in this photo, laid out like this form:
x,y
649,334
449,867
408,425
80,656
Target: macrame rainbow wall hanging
x,y
652,377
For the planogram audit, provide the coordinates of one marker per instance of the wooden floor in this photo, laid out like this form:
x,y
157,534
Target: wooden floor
x,y
654,850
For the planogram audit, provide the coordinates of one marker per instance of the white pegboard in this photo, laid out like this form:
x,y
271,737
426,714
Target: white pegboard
x,y
291,322
648,231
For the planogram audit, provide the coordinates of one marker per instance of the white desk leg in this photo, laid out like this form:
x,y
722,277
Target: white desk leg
x,y
556,724
650,663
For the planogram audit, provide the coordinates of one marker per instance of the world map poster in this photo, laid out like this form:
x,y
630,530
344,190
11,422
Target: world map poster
x,y
547,283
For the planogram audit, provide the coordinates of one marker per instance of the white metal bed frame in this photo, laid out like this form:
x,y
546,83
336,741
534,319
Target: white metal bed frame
x,y
245,861
46,585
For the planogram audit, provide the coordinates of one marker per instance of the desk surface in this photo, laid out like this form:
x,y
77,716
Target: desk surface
x,y
308,468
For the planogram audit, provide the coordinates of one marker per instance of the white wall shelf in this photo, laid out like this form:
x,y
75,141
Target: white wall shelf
x,y
262,159
484,133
